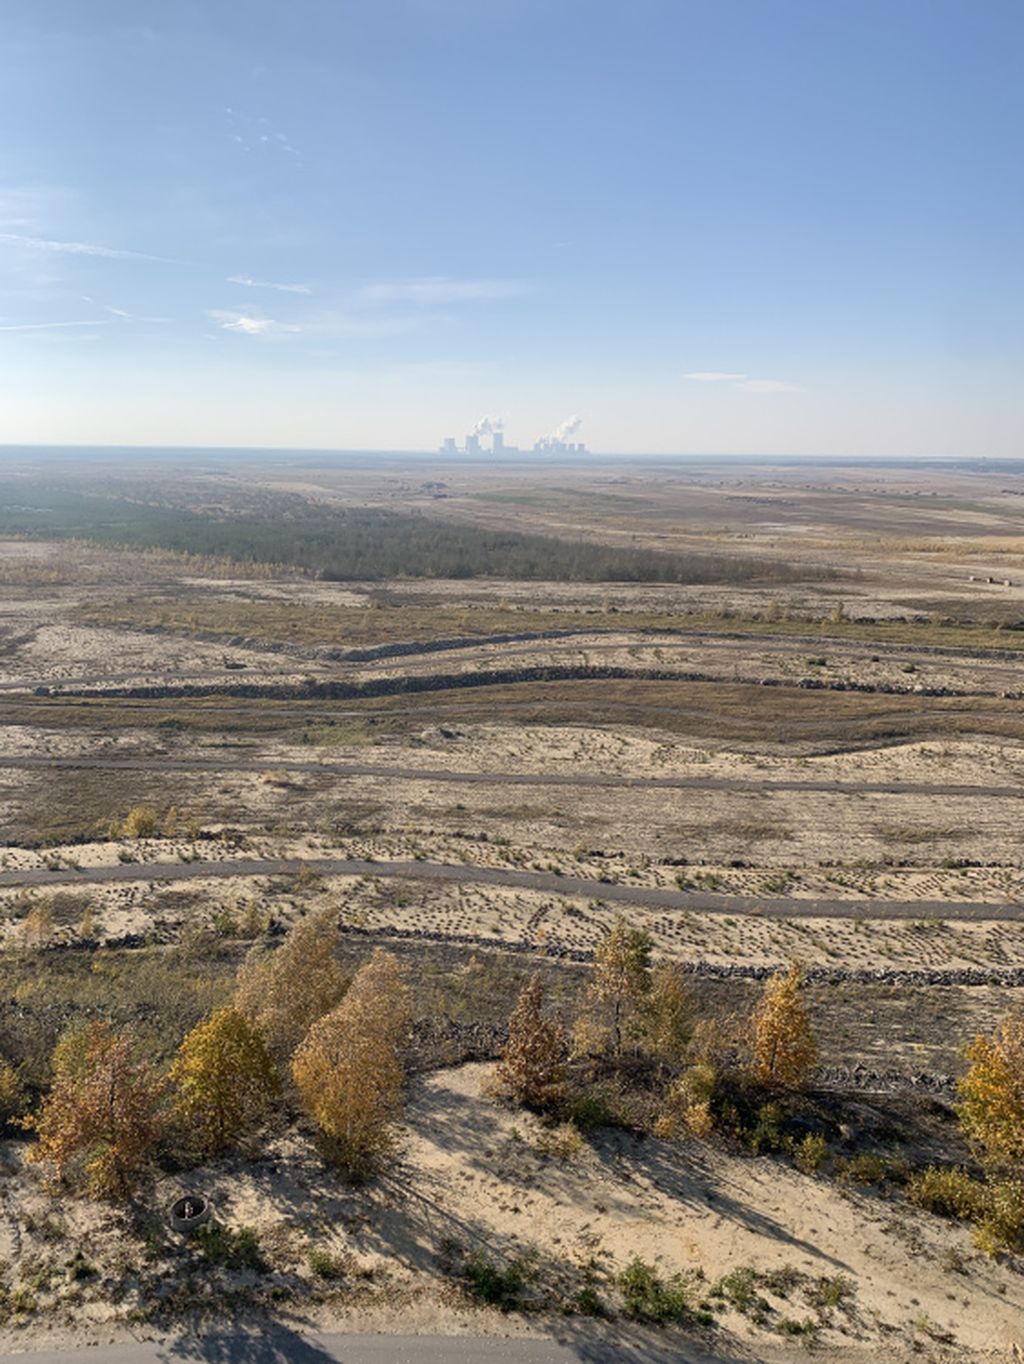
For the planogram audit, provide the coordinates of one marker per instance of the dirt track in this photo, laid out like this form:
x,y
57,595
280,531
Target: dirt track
x,y
611,780
546,882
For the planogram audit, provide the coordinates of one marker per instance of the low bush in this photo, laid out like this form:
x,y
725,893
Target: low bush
x,y
948,1192
810,1153
141,822
1001,1226
739,1288
789,1326
563,1142
868,1169
328,1264
494,1284
593,1107
995,1208
646,1296
830,1291
230,1249
782,1281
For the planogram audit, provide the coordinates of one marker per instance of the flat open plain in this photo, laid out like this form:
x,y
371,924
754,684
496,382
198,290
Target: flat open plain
x,y
822,764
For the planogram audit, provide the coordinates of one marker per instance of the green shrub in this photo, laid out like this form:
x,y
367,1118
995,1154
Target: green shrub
x,y
646,1296
810,1154
782,1281
830,1291
868,1169
232,1249
739,1289
492,1284
948,1192
327,1264
996,1209
767,1132
588,1301
788,1326
593,1107
1001,1226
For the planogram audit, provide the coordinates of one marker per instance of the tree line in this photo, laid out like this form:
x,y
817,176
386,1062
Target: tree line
x,y
300,1037
360,543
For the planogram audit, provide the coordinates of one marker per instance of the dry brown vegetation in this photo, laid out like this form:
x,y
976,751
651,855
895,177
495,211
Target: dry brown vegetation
x,y
630,1175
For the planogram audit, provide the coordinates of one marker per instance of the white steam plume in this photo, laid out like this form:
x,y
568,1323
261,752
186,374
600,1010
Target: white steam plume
x,y
561,433
487,426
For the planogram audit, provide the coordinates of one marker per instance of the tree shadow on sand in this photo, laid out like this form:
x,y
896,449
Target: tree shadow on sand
x,y
273,1343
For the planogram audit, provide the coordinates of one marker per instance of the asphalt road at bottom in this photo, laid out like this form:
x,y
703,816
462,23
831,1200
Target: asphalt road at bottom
x,y
280,1345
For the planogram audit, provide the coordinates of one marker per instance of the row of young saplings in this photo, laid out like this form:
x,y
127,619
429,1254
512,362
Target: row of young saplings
x,y
746,1079
636,1054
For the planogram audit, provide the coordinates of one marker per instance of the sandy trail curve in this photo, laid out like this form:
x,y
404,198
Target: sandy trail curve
x,y
31,762
650,897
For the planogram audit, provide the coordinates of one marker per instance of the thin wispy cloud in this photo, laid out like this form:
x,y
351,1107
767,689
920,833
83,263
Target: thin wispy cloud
x,y
269,284
125,316
768,386
743,382
64,248
439,289
50,326
244,324
321,328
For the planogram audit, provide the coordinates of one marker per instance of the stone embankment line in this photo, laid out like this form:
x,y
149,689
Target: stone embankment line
x,y
160,763
412,683
649,897
1011,977
665,636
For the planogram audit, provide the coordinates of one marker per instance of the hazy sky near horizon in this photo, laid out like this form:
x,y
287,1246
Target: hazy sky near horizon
x,y
780,226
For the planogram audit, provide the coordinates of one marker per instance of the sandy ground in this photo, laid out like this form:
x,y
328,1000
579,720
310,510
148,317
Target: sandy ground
x,y
469,1175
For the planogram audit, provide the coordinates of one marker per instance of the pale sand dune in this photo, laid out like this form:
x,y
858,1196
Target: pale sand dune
x,y
471,1171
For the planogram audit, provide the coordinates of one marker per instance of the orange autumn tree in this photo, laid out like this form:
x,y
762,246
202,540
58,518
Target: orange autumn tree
x,y
285,991
784,1046
224,1081
530,1071
618,992
348,1068
991,1108
105,1113
667,1015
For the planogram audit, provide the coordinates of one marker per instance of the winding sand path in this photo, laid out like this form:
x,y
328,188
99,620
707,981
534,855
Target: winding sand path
x,y
546,882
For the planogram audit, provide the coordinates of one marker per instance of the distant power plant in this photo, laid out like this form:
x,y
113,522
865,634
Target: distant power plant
x,y
551,445
547,445
449,446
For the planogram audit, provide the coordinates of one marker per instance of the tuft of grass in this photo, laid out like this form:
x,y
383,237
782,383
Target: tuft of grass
x,y
739,1288
328,1265
830,1291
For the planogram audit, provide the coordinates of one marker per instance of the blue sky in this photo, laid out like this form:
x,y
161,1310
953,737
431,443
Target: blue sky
x,y
781,226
